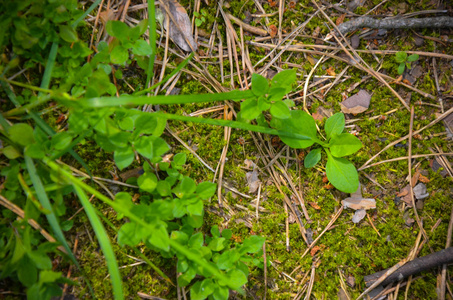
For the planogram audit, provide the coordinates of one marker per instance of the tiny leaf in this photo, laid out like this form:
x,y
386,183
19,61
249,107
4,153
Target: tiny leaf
x,y
260,86
312,158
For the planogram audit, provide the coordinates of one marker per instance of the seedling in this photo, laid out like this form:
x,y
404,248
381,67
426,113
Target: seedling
x,y
200,18
404,60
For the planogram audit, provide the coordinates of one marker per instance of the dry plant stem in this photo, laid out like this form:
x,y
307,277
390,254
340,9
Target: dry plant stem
x,y
403,158
391,290
68,275
365,68
343,285
18,211
307,81
258,202
405,137
288,248
322,233
444,267
409,163
437,22
383,277
312,280
227,134
372,225
247,27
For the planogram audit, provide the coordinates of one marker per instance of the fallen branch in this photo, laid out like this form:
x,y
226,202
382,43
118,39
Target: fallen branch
x,y
396,23
413,267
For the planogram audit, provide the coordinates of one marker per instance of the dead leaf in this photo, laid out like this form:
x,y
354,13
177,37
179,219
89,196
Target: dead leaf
x,y
180,16
357,103
273,30
420,191
357,203
340,19
314,205
415,177
329,186
314,250
317,116
253,181
330,71
358,215
249,163
423,179
316,32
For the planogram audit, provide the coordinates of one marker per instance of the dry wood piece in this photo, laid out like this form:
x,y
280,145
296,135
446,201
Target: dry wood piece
x,y
439,22
413,267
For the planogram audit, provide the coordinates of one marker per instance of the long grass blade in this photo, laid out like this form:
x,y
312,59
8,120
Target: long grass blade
x,y
90,9
152,39
104,242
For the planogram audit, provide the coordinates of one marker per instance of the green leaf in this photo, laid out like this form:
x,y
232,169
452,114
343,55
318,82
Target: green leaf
x,y
227,233
119,55
159,238
253,243
202,289
217,244
150,124
164,188
195,209
144,146
300,123
12,153
142,48
227,259
138,30
312,158
249,109
196,241
128,235
284,79
68,34
22,134
179,160
185,278
125,201
221,293
342,174
147,182
118,29
236,279
334,125
263,103
276,94
401,68
188,185
280,110
400,57
61,140
160,147
40,259
412,57
123,157
215,231
344,144
260,85
206,190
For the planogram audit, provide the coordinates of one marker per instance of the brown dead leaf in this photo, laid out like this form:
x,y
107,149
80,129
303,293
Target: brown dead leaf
x,y
253,181
314,250
340,19
314,205
107,15
423,179
273,30
180,16
316,32
357,103
415,177
330,71
407,82
329,186
317,116
311,60
325,179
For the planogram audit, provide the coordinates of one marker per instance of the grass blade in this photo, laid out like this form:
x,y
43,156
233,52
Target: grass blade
x,y
104,242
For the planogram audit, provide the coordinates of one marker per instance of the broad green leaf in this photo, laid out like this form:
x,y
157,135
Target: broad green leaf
x,y
40,259
138,30
147,182
149,124
260,85
334,125
119,55
22,134
27,272
401,68
68,34
290,103
342,174
412,57
159,238
221,293
400,57
61,140
123,157
144,146
300,123
182,265
179,159
188,185
312,158
253,243
215,231
196,241
164,188
12,153
227,233
226,260
129,235
284,79
118,29
202,289
160,147
217,244
249,109
142,48
280,110
206,190
195,209
344,144
125,200
185,278
236,279
276,94
263,103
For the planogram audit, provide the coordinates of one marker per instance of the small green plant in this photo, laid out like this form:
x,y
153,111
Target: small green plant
x,y
404,60
200,17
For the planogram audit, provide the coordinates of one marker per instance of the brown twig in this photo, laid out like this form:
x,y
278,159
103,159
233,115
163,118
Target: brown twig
x,y
444,267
